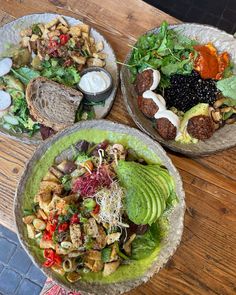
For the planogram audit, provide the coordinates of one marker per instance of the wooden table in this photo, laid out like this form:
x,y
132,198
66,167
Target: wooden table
x,y
205,263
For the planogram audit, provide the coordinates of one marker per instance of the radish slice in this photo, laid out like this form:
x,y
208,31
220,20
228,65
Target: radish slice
x,y
5,66
5,100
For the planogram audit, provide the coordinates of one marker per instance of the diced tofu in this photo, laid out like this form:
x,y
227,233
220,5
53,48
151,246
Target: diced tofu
x,y
34,38
56,171
59,269
101,238
93,260
28,219
127,245
54,187
94,255
42,214
25,42
57,203
26,32
85,28
91,40
30,231
50,177
62,28
91,228
52,23
114,255
62,21
111,238
95,62
97,266
85,35
45,34
39,224
100,55
110,267
99,46
81,60
55,33
45,244
75,234
75,31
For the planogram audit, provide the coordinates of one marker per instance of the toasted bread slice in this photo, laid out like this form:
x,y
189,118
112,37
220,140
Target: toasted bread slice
x,y
52,104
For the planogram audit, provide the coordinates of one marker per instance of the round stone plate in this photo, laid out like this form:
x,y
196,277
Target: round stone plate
x,y
223,138
133,138
10,34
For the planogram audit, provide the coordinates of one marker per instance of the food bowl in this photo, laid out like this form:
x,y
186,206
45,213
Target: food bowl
x,y
99,95
142,270
224,137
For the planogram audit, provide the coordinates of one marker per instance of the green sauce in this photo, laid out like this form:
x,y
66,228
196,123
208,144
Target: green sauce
x,y
125,272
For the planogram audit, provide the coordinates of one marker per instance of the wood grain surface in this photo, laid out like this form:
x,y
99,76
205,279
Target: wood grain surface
x,y
205,262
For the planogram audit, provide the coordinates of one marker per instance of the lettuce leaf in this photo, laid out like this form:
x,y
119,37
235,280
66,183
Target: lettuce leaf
x,y
228,87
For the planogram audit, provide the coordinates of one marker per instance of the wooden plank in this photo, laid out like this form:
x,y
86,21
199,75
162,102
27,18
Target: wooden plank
x,y
205,261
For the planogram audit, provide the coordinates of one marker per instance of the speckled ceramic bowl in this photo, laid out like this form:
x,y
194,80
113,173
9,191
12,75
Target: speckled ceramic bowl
x,y
10,34
130,137
223,138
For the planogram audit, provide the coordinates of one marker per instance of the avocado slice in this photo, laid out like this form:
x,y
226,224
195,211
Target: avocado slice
x,y
156,193
138,203
200,109
148,188
164,179
153,197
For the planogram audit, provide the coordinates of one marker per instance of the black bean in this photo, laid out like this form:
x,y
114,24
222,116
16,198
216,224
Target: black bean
x,y
188,90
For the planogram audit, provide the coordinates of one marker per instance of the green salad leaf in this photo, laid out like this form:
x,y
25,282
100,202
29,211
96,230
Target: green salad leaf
x,y
228,87
65,75
21,113
168,51
145,244
25,74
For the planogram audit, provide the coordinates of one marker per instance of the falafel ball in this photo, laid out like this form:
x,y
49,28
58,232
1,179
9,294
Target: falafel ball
x,y
201,127
166,129
147,106
144,81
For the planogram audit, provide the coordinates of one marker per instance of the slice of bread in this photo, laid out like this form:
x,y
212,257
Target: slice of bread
x,y
52,104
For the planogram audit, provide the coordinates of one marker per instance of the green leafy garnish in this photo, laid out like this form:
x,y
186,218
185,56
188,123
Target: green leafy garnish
x,y
36,30
66,181
106,254
228,87
65,75
167,51
25,74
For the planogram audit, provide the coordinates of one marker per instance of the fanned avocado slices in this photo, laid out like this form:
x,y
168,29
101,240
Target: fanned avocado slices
x,y
148,187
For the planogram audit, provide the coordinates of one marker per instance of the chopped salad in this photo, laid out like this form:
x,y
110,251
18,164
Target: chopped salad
x,y
98,209
54,50
186,88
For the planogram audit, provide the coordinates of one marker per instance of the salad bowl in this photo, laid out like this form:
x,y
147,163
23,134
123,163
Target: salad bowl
x,y
224,137
11,37
133,273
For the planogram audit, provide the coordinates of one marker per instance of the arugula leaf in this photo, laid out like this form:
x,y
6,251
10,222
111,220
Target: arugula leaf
x,y
66,75
21,113
25,74
168,51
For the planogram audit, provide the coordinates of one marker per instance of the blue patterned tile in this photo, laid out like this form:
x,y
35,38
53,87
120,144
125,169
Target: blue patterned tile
x,y
28,288
10,235
36,275
20,261
9,281
7,248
